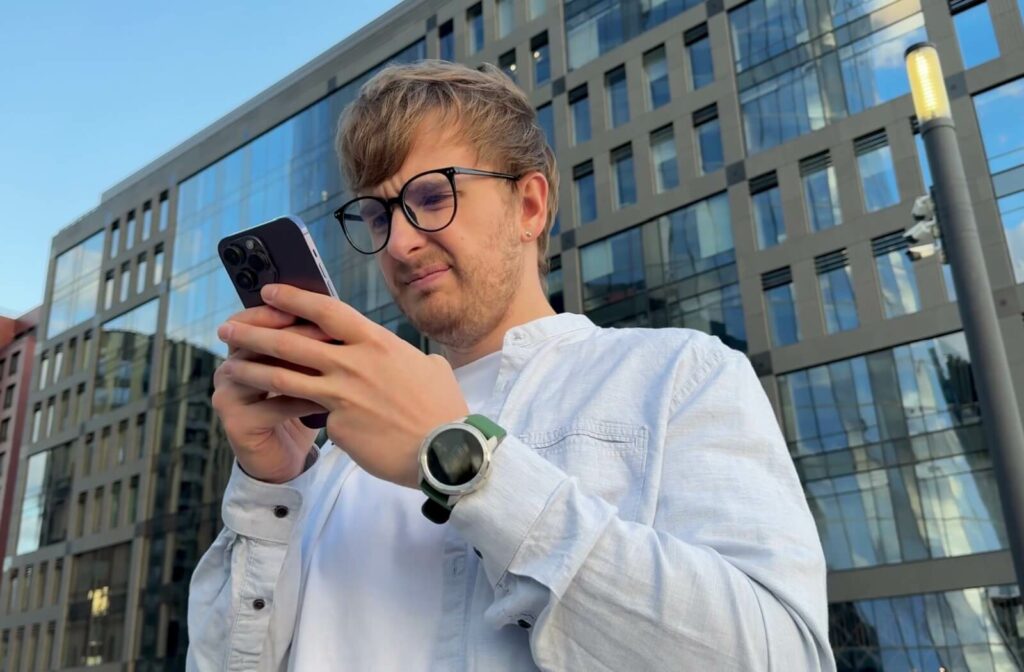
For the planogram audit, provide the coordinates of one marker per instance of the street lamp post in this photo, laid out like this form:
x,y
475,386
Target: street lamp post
x,y
960,241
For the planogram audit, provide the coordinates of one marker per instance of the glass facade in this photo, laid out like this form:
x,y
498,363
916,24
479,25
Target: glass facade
x,y
821,198
506,10
709,142
976,35
1003,137
124,363
46,499
892,455
972,629
541,54
546,117
446,38
898,283
76,284
797,74
702,68
586,194
594,27
475,27
97,607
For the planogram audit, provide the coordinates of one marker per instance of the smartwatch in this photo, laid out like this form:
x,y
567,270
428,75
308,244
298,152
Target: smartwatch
x,y
455,459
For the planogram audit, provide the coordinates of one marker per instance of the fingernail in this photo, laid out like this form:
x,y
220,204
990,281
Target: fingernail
x,y
269,292
225,330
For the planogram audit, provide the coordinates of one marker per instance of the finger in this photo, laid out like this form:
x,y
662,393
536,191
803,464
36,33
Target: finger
x,y
264,316
272,412
338,319
288,346
275,379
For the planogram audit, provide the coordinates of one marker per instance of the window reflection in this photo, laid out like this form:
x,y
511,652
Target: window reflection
x,y
76,282
976,35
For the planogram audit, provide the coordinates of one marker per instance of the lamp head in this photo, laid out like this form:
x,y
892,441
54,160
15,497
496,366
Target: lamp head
x,y
927,86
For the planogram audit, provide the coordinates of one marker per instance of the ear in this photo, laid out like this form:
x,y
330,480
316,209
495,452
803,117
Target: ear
x,y
533,198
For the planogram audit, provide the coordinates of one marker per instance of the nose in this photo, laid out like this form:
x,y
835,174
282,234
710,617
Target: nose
x,y
405,239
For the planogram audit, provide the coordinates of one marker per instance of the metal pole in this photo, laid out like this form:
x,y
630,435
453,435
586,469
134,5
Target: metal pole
x,y
999,412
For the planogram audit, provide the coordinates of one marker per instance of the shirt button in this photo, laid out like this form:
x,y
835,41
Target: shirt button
x,y
524,624
258,603
280,511
478,553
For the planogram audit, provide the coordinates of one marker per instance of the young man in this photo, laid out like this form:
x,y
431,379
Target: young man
x,y
549,494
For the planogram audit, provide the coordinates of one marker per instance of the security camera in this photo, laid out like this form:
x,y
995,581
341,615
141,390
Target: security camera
x,y
917,252
920,232
924,208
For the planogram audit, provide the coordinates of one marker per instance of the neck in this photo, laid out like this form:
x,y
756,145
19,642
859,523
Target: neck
x,y
526,307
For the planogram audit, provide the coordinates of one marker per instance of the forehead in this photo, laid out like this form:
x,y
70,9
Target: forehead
x,y
435,143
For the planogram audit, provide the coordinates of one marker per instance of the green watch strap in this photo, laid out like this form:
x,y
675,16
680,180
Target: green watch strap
x,y
486,426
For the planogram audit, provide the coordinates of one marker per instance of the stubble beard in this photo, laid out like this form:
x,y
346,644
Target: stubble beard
x,y
475,301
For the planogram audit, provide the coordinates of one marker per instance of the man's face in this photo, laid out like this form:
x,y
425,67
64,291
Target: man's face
x,y
480,248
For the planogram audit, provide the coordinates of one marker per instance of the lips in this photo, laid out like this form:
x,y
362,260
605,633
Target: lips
x,y
424,272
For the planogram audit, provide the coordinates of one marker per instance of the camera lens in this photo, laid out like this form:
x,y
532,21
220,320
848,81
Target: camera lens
x,y
258,261
233,255
246,279
250,244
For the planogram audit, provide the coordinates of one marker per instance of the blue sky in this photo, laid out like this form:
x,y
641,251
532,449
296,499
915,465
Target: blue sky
x,y
91,92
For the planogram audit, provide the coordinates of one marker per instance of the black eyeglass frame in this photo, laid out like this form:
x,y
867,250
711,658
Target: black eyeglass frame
x,y
450,172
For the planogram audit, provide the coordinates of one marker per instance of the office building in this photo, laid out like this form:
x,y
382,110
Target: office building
x,y
742,168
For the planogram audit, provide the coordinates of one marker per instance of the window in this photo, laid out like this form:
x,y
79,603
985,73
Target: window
x,y
37,421
821,193
538,8
97,510
877,173
9,396
546,118
475,25
13,368
158,264
579,106
122,442
126,269
663,152
446,38
617,96
623,175
115,239
4,429
129,231
133,499
58,362
595,27
140,275
506,17
140,435
782,108
123,365
871,76
1002,134
586,197
709,140
778,295
65,410
50,404
656,74
147,220
895,275
764,29
115,504
612,269
974,32
698,51
108,290
767,210
507,63
164,214
541,54
45,501
79,404
76,284
80,511
837,298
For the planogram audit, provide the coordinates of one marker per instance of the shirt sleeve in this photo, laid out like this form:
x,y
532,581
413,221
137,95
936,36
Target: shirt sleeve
x,y
231,594
729,576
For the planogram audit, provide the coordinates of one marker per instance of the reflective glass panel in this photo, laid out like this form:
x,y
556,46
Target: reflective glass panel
x,y
976,35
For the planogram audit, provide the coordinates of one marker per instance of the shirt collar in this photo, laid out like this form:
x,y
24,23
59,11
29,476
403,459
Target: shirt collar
x,y
544,328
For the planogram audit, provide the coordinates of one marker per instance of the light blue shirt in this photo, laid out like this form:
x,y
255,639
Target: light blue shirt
x,y
643,513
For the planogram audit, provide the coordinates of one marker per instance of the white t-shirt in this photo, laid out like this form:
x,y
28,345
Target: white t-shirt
x,y
373,596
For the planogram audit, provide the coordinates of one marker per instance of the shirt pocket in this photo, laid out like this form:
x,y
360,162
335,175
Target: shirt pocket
x,y
608,459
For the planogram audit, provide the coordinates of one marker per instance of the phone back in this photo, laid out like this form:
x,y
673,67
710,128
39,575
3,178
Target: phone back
x,y
281,251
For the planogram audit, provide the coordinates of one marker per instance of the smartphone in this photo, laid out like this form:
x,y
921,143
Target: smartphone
x,y
278,251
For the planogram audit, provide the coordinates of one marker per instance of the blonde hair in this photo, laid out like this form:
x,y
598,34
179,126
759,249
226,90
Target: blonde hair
x,y
492,114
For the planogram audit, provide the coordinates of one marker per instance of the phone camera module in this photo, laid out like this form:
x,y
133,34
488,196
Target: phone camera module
x,y
246,280
250,244
233,255
258,262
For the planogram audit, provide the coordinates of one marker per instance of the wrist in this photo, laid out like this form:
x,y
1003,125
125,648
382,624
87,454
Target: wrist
x,y
281,476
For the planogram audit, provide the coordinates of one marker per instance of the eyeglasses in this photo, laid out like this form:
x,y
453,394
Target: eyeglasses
x,y
428,201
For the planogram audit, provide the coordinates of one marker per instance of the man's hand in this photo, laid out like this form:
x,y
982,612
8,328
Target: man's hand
x,y
265,432
383,395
